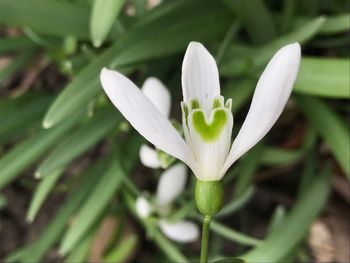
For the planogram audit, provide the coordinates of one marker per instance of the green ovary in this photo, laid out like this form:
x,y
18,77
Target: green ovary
x,y
209,132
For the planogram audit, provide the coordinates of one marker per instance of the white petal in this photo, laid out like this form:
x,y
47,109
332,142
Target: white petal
x,y
271,94
171,184
210,154
155,90
149,157
182,231
200,77
143,207
144,116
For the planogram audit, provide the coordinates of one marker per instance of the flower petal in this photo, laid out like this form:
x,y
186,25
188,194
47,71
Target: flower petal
x,y
271,94
144,116
149,157
200,77
143,207
171,184
182,231
155,90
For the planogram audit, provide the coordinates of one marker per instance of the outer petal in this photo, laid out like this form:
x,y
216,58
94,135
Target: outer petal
x,y
271,94
200,77
144,116
171,184
155,90
143,207
149,157
182,231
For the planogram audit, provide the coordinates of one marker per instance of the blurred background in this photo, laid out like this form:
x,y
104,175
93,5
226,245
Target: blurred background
x,y
69,163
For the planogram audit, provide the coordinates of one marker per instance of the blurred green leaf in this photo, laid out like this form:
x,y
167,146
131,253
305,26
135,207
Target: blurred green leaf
x,y
103,15
56,18
278,156
15,64
168,247
300,34
277,218
294,227
20,43
21,114
55,229
42,191
336,24
123,249
21,156
255,58
230,260
236,203
100,196
247,167
330,126
240,91
79,141
82,249
326,77
233,235
256,18
146,41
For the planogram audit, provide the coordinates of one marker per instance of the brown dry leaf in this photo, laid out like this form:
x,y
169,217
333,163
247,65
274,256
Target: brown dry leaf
x,y
321,242
102,239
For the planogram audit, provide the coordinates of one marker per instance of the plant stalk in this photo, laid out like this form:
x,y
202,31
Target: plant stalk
x,y
205,239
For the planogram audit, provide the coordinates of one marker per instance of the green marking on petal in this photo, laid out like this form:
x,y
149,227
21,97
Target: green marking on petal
x,y
209,132
216,103
195,104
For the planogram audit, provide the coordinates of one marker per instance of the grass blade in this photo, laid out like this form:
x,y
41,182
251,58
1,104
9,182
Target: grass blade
x,y
326,77
42,191
330,126
78,142
25,153
103,15
293,228
98,200
56,18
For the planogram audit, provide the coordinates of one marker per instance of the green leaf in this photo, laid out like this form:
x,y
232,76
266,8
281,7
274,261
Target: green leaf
x,y
294,227
330,126
300,34
168,247
230,260
240,91
25,153
336,24
20,43
16,64
42,191
81,250
21,114
233,235
273,156
256,18
326,77
54,230
103,15
56,18
253,59
123,249
78,142
98,200
145,41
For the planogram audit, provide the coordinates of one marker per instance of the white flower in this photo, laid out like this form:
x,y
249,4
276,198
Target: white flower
x,y
171,185
207,118
160,96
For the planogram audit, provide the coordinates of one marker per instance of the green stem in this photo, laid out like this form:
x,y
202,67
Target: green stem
x,y
205,239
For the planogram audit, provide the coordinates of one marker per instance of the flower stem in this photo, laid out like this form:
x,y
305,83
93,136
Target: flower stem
x,y
205,239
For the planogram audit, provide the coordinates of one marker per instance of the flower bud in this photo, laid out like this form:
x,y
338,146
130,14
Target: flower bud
x,y
209,196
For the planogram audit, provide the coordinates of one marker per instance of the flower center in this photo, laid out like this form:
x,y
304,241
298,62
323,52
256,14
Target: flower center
x,y
209,131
